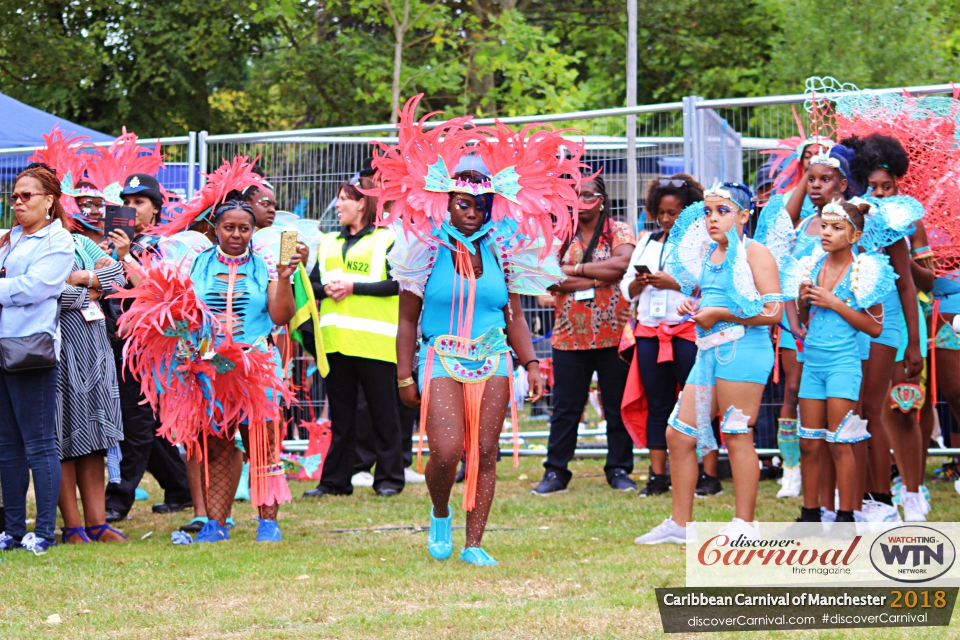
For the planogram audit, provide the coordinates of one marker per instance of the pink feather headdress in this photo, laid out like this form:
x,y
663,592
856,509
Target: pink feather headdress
x,y
230,176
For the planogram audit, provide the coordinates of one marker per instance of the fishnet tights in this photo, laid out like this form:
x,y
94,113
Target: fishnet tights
x,y
219,486
445,430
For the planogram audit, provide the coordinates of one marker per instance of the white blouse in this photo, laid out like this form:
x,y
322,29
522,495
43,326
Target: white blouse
x,y
650,253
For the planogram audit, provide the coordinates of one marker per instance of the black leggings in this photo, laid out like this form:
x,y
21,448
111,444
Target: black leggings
x,y
660,383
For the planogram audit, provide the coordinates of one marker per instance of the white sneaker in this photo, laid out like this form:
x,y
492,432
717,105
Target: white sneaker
x,y
913,507
362,479
412,477
666,531
827,516
924,495
791,483
739,527
874,511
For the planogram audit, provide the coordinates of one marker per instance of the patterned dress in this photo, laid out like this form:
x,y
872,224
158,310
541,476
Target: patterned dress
x,y
88,406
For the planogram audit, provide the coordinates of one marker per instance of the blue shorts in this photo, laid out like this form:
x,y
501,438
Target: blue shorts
x,y
820,384
890,336
745,360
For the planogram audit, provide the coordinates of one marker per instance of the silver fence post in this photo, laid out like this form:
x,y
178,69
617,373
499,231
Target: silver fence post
x,y
632,118
690,134
202,142
191,164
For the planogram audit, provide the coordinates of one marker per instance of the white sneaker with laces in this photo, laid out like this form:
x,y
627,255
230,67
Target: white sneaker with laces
x,y
31,542
362,479
738,527
666,531
912,507
827,516
791,483
412,477
874,511
923,497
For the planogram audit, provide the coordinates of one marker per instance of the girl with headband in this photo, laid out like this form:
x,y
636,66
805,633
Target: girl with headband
x,y
741,296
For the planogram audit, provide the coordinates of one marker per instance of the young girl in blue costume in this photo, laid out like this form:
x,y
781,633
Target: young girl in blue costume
x,y
839,297
458,386
879,162
741,297
789,223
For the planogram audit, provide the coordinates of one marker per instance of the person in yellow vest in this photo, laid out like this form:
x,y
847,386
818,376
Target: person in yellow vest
x,y
359,307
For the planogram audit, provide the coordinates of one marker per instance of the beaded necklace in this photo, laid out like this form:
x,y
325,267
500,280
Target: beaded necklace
x,y
233,260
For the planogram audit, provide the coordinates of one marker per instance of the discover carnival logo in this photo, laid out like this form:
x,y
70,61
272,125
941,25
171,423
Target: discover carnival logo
x,y
823,558
912,554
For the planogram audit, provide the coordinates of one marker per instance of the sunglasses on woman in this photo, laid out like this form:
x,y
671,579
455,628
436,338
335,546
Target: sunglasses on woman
x,y
590,197
23,197
667,182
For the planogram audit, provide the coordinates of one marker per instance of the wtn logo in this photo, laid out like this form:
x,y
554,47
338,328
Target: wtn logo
x,y
899,554
913,553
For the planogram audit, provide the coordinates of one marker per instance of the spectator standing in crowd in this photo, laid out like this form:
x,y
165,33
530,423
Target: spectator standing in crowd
x,y
142,449
88,402
36,256
358,318
590,315
665,346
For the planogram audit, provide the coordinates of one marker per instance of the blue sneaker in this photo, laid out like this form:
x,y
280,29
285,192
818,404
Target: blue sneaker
x,y
478,557
268,531
440,538
37,545
213,532
8,543
140,494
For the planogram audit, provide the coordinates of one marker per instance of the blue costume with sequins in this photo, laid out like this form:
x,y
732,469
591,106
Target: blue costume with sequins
x,y
251,318
749,359
488,321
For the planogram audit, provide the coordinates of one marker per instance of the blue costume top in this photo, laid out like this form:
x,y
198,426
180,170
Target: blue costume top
x,y
443,294
209,273
829,336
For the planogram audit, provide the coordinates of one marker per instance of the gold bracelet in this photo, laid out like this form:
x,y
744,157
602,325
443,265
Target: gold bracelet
x,y
406,382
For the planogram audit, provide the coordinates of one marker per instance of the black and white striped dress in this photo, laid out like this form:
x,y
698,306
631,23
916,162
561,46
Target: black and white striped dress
x,y
88,404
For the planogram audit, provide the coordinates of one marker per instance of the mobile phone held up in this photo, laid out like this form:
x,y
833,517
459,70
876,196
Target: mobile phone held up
x,y
642,269
117,218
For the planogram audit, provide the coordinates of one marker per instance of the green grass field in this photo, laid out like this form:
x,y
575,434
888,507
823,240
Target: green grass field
x,y
352,567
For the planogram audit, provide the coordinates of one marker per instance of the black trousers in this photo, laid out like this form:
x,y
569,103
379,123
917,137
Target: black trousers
x,y
660,382
144,451
572,373
366,455
379,382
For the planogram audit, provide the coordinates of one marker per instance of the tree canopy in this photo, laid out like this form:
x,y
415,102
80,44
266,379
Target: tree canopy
x,y
163,67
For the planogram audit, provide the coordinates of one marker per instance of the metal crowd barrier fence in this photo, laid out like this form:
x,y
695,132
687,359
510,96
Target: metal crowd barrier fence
x,y
712,139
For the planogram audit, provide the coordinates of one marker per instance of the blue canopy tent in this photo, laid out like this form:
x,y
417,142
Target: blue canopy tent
x,y
23,126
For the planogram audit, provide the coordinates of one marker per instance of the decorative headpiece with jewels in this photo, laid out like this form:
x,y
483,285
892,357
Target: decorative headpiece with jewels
x,y
832,211
824,158
738,194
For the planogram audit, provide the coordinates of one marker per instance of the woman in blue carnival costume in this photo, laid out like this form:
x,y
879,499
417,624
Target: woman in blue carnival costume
x,y
840,296
472,244
741,297
212,370
789,223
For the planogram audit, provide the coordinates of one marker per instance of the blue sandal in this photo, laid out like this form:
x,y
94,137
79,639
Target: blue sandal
x,y
96,531
66,533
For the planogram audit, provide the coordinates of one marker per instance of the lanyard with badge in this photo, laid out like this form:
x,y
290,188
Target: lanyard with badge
x,y
586,294
658,297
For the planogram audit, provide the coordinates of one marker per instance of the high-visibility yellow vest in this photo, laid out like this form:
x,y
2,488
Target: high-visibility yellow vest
x,y
361,326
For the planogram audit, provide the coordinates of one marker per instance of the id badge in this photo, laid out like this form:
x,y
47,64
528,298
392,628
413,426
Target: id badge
x,y
658,303
586,294
92,313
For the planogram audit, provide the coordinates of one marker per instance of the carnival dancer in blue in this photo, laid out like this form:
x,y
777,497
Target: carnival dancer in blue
x,y
741,297
839,297
471,244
